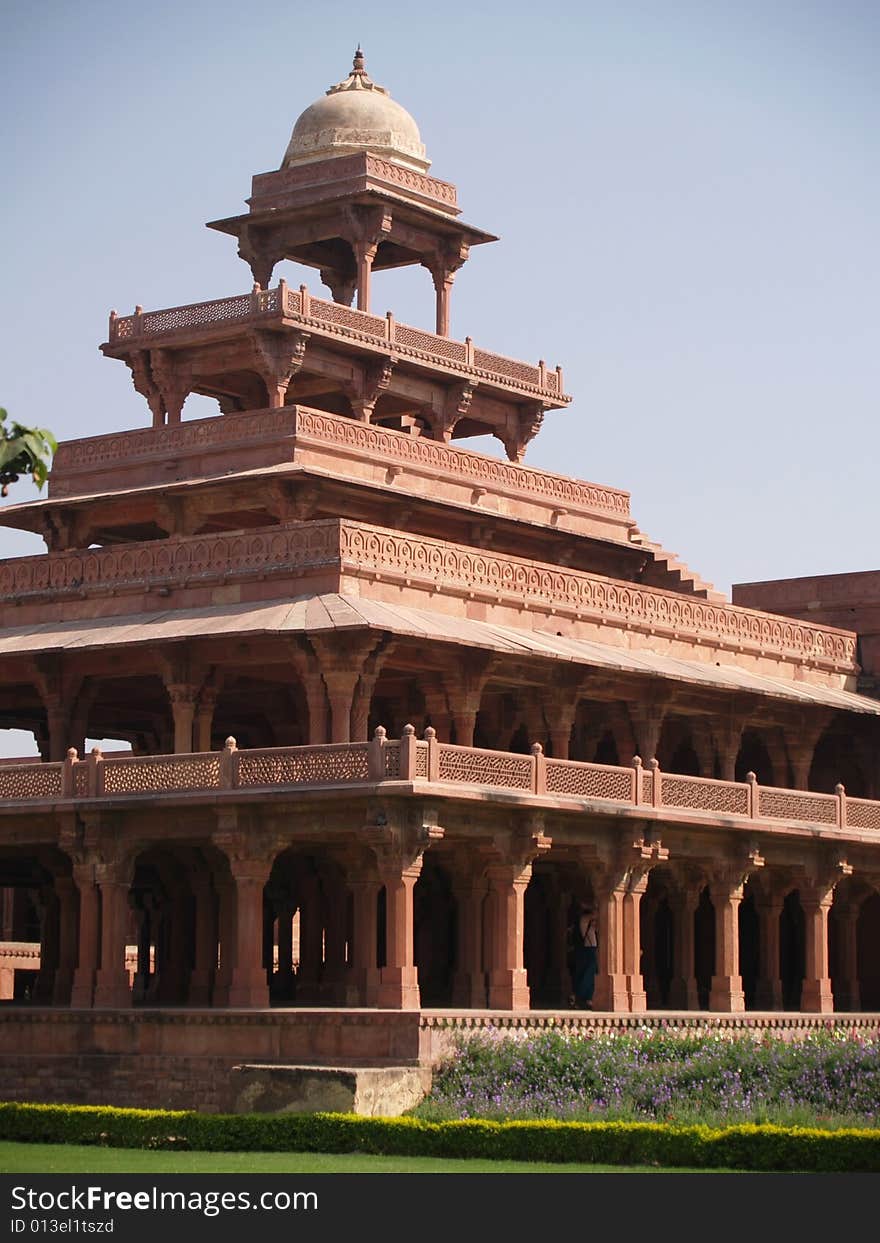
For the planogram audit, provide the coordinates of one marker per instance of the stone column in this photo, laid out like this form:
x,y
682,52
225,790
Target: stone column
x,y
611,983
68,919
469,978
83,990
204,720
49,939
365,892
248,987
111,984
632,964
226,921
683,985
183,706
364,254
768,986
201,978
726,991
58,721
399,985
316,700
508,986
847,992
816,997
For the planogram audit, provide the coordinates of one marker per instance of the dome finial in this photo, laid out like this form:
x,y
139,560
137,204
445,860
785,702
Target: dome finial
x,y
358,62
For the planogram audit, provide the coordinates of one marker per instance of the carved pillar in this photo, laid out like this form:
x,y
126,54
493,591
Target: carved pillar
x,y
333,985
58,720
469,890
341,664
647,724
683,993
248,986
88,957
508,986
632,957
816,997
111,983
204,718
226,921
726,991
443,267
142,379
399,985
364,254
173,379
365,887
768,986
183,705
341,283
367,387
522,427
47,904
68,920
611,991
279,356
201,978
727,733
316,701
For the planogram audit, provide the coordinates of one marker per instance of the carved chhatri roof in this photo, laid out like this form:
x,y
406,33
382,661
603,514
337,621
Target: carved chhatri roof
x,y
356,115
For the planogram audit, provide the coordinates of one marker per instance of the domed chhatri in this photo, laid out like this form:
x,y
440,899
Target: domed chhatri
x,y
356,115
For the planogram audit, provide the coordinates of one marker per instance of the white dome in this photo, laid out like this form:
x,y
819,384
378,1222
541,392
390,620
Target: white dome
x,y
356,115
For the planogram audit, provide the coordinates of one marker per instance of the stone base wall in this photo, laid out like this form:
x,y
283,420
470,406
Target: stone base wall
x,y
185,1059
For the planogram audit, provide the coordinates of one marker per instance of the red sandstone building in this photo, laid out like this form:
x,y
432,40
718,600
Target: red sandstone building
x,y
386,696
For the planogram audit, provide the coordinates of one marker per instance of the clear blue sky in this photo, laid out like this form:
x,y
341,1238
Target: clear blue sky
x,y
687,196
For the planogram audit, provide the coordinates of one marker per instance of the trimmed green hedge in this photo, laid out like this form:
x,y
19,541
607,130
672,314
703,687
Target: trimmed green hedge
x,y
610,1143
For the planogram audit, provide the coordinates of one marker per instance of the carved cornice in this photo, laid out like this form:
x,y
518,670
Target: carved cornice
x,y
364,550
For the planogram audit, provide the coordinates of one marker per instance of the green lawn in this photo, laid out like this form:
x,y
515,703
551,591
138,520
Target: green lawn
x,y
73,1159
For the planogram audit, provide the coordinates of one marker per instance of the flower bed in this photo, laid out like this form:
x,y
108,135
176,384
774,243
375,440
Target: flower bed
x,y
826,1079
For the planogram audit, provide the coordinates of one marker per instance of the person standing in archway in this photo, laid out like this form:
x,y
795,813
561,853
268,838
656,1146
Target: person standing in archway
x,y
586,957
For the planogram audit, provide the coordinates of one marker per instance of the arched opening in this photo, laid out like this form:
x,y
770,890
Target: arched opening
x,y
753,757
704,947
792,950
39,908
834,762
656,930
435,933
867,956
749,945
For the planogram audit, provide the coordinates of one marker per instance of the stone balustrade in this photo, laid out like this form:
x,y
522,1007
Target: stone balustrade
x,y
427,760
298,308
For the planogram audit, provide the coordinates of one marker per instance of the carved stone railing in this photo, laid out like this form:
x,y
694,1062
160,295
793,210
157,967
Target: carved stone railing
x,y
298,307
360,549
413,760
293,424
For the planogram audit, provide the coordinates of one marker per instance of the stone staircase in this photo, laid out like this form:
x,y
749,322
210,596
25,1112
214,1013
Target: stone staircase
x,y
667,571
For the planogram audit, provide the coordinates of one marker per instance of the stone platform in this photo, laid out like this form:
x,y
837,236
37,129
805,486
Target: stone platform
x,y
187,1059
